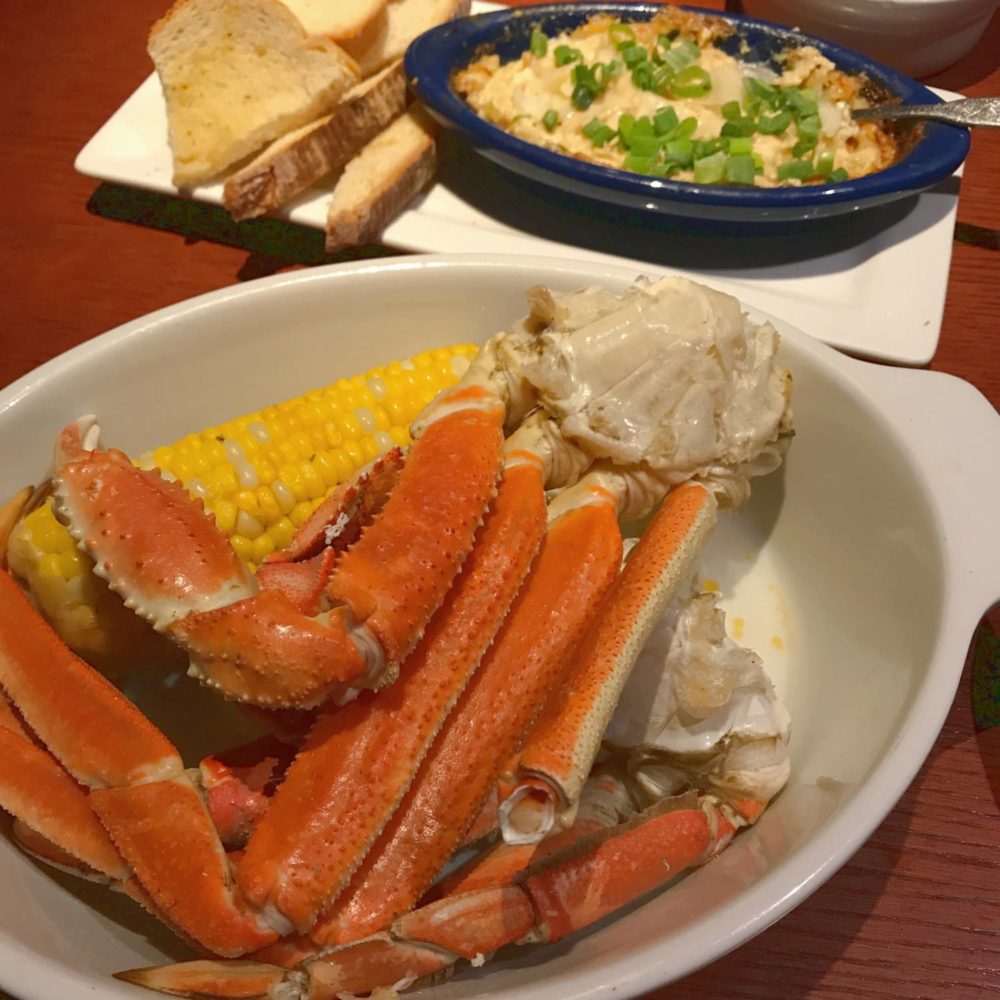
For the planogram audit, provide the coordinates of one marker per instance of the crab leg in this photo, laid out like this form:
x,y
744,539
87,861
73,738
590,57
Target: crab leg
x,y
359,759
558,756
260,647
138,787
53,818
567,891
604,802
577,563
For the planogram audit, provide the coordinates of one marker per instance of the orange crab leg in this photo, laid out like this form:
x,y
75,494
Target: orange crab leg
x,y
578,560
53,807
139,789
604,802
359,759
557,758
567,891
260,647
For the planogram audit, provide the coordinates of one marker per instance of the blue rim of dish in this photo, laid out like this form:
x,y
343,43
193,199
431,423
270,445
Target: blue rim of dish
x,y
435,55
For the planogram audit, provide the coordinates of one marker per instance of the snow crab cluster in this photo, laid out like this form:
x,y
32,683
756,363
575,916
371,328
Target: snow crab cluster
x,y
462,625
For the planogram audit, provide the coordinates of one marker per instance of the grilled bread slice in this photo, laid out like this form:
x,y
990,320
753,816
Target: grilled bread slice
x,y
299,159
382,180
389,34
336,19
237,74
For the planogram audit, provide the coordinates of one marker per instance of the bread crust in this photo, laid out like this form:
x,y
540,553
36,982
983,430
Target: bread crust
x,y
336,19
388,36
304,157
236,74
381,181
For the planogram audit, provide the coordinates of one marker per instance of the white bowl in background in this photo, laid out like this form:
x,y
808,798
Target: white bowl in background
x,y
872,555
917,37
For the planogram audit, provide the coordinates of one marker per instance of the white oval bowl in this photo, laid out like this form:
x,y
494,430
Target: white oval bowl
x,y
870,556
917,37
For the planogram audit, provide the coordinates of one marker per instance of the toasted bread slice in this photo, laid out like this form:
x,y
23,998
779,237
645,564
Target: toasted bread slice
x,y
382,180
336,19
389,34
236,74
299,159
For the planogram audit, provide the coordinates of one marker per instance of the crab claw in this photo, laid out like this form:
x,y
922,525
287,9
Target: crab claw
x,y
372,610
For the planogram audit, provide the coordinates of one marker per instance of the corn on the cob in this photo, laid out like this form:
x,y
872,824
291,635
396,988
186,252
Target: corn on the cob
x,y
259,476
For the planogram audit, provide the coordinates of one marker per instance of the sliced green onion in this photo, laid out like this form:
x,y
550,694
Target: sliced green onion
x,y
644,145
632,55
740,169
808,127
679,151
758,163
731,110
685,129
824,165
625,125
800,169
706,147
550,119
582,96
692,82
642,76
681,55
739,146
663,77
710,169
563,54
638,164
643,126
539,43
800,102
759,92
804,146
659,169
774,124
597,132
838,175
621,35
739,127
665,120
604,73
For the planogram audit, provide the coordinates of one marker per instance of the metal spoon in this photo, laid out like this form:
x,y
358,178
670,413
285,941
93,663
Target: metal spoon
x,y
983,112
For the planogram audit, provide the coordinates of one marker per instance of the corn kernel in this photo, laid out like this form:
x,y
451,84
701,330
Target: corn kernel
x,y
263,546
345,467
314,484
300,512
247,525
225,516
243,547
71,564
291,476
326,465
349,427
270,512
401,436
354,452
369,448
281,532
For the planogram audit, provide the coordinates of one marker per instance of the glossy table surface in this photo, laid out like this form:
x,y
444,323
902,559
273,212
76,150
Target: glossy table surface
x,y
916,912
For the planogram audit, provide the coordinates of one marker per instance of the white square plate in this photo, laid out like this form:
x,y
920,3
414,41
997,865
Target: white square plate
x,y
872,284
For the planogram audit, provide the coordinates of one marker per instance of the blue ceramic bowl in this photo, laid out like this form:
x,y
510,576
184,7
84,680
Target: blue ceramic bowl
x,y
434,56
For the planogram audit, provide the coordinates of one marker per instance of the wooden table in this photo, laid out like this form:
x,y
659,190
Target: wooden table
x,y
916,913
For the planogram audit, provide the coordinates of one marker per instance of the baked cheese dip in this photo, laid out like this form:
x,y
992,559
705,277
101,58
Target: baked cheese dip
x,y
659,97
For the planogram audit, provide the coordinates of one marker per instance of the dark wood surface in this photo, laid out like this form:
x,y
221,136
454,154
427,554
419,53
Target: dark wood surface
x,y
916,912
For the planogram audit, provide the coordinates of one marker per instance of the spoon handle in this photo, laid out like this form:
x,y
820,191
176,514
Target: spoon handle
x,y
982,112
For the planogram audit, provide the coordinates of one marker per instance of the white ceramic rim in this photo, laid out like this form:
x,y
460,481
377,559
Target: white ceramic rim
x,y
927,410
